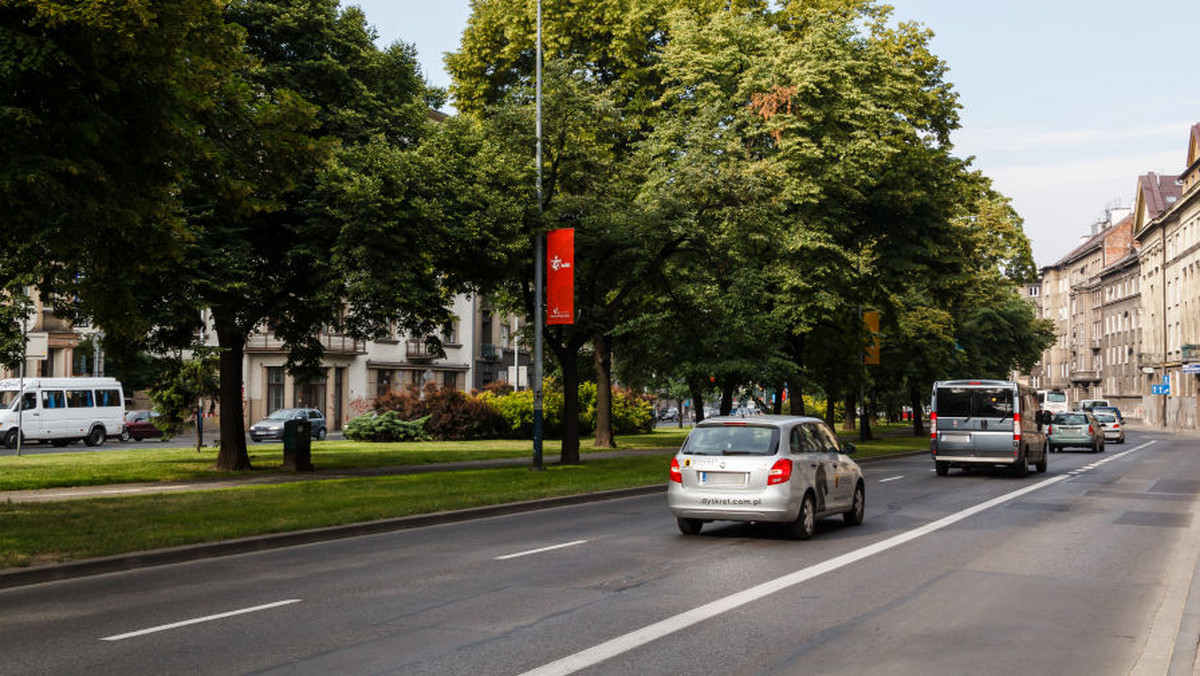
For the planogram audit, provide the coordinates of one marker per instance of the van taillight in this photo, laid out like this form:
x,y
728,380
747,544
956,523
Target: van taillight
x,y
933,425
780,472
1016,426
676,475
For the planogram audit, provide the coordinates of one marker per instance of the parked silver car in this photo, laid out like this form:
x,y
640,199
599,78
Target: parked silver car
x,y
783,469
271,427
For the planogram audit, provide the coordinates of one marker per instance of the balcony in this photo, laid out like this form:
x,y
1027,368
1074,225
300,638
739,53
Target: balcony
x,y
1190,352
1085,376
333,344
489,352
1149,359
418,352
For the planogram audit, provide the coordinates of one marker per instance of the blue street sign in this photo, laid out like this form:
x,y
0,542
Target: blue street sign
x,y
1160,389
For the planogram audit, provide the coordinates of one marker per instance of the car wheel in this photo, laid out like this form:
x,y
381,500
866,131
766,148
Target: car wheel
x,y
689,526
854,517
321,434
943,468
805,524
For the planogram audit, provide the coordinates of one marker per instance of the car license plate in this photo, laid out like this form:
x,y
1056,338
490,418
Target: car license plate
x,y
723,478
956,438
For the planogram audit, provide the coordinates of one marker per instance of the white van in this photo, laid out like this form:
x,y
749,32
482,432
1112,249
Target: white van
x,y
61,410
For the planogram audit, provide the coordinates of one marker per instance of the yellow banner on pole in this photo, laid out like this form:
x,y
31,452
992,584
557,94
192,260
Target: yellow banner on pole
x,y
871,323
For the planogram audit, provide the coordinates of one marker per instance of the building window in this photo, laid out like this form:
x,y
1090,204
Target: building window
x,y
274,388
384,383
450,380
311,394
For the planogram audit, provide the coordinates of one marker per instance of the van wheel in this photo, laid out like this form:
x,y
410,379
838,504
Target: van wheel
x,y
689,526
1021,469
95,437
805,524
943,468
1042,464
10,439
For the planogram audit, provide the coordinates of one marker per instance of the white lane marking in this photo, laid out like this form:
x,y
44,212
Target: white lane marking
x,y
198,620
621,644
891,478
539,550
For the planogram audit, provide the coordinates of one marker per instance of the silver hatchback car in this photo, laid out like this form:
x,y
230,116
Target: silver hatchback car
x,y
783,469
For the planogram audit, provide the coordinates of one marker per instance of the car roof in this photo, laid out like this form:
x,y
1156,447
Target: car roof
x,y
758,420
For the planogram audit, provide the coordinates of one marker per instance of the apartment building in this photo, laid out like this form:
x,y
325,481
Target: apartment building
x,y
1169,261
1073,295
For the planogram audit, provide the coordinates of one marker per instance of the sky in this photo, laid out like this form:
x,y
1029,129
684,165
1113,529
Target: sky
x,y
1065,103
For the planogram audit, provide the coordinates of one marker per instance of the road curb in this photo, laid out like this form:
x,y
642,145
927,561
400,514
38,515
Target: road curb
x,y
160,557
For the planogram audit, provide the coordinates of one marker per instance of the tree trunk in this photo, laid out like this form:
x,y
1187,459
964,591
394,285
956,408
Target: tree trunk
x,y
570,372
851,412
727,400
697,401
914,400
796,401
232,455
864,431
777,405
604,429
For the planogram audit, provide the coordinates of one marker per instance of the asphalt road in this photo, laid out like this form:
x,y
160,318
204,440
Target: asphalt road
x,y
1084,570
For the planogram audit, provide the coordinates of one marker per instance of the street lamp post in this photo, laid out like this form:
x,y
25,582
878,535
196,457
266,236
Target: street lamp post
x,y
538,270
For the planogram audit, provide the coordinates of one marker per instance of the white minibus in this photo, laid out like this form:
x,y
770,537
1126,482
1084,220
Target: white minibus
x,y
61,410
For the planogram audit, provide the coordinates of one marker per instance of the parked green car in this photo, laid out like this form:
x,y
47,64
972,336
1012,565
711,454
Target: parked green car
x,y
1075,428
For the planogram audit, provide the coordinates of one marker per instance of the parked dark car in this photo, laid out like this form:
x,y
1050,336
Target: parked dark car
x,y
271,427
139,425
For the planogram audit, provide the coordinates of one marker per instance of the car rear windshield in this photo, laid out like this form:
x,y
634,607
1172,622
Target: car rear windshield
x,y
974,402
1105,417
1069,419
732,440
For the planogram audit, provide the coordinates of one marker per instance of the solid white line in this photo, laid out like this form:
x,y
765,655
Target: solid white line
x,y
621,644
539,551
198,620
892,478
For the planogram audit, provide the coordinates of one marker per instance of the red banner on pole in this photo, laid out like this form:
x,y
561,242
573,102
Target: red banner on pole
x,y
560,276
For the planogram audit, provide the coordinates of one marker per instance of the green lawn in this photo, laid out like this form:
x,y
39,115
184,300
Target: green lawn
x,y
151,463
38,533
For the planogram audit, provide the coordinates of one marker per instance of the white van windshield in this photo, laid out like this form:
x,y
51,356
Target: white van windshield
x,y
7,397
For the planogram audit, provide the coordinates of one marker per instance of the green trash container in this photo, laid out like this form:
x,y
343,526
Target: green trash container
x,y
297,445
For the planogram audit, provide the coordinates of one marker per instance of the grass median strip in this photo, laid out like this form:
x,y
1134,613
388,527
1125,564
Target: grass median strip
x,y
33,533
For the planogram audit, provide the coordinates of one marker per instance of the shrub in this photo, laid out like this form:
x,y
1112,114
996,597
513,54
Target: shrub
x,y
386,426
454,416
631,413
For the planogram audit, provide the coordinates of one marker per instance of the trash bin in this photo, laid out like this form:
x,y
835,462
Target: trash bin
x,y
297,445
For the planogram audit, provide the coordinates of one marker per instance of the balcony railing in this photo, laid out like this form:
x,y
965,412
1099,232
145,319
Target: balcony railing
x,y
333,344
489,352
1149,359
418,351
1085,376
1190,352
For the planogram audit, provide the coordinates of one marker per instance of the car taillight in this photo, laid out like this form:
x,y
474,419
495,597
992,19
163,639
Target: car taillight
x,y
1049,429
933,425
780,472
1090,430
676,475
1017,426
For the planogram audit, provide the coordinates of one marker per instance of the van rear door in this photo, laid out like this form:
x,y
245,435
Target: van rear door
x,y
975,421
